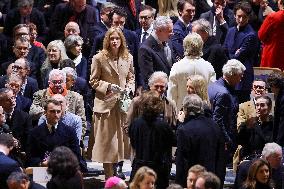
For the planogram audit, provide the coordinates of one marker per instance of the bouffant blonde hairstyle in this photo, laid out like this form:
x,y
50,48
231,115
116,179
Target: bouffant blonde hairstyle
x,y
140,175
200,86
193,45
123,50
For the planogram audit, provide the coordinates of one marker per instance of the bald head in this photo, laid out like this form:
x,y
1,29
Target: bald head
x,y
71,28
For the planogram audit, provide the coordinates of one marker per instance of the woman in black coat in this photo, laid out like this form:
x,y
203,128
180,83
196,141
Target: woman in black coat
x,y
152,139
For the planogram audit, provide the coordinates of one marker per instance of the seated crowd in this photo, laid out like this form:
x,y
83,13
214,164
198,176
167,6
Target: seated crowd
x,y
139,81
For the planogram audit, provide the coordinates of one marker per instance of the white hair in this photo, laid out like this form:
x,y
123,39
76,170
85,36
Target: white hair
x,y
193,45
161,22
70,71
203,25
157,76
233,67
270,148
192,104
54,72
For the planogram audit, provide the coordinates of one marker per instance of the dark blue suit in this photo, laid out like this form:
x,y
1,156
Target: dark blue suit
x,y
152,58
246,41
7,166
180,32
23,103
42,141
82,68
225,108
96,30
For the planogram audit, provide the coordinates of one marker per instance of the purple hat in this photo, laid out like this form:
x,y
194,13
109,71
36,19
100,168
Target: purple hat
x,y
112,181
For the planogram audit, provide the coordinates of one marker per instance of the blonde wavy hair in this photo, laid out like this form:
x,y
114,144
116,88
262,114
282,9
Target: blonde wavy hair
x,y
168,8
140,175
193,45
123,50
200,86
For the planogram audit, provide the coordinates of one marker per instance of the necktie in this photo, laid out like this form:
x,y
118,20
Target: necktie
x,y
132,7
52,129
144,36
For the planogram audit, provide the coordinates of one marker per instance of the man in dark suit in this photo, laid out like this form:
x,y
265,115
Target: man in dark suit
x,y
19,121
146,18
186,10
24,14
212,49
132,8
220,18
7,164
192,147
225,103
156,53
44,138
118,18
74,10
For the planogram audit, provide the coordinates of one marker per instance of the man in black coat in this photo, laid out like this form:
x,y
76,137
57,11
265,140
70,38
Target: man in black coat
x,y
7,164
53,133
221,18
19,121
156,53
213,52
24,14
77,11
199,141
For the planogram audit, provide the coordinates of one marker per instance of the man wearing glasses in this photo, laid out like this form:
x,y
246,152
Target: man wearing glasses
x,y
57,85
146,18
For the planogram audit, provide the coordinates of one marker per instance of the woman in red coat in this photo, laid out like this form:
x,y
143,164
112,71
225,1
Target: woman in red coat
x,y
271,33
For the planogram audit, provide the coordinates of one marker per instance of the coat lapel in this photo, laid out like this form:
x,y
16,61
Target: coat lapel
x,y
112,64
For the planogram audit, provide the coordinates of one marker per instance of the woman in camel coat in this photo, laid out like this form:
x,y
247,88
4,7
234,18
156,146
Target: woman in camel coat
x,y
111,71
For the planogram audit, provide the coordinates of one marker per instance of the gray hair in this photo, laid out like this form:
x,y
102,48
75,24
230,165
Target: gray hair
x,y
161,22
156,76
25,3
193,105
72,40
270,148
55,72
18,178
203,25
58,44
70,71
233,67
27,63
193,45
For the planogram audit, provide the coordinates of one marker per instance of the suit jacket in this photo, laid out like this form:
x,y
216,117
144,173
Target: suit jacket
x,y
193,148
221,30
271,35
30,89
8,166
20,124
23,103
225,107
96,30
41,141
151,58
180,32
243,45
214,53
64,13
132,20
103,73
13,18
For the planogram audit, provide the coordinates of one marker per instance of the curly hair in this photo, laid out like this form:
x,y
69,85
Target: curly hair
x,y
152,105
250,182
140,175
193,45
63,163
123,50
276,79
200,86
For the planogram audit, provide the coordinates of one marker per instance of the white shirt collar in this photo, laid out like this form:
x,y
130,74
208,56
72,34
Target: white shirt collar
x,y
149,31
186,25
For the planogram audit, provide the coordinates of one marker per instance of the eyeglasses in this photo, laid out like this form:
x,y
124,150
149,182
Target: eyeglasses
x,y
15,67
56,82
159,86
144,17
258,87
